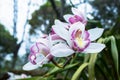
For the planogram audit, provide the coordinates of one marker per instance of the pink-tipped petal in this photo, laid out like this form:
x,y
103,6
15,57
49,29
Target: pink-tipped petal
x,y
81,14
61,50
67,16
76,11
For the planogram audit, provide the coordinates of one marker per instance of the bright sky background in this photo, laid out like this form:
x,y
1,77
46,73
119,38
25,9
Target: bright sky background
x,y
6,15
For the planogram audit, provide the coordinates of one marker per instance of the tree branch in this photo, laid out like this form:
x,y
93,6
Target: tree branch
x,y
59,16
15,8
26,22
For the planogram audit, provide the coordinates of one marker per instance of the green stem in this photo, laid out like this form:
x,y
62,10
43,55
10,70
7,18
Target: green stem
x,y
78,72
73,56
91,65
56,64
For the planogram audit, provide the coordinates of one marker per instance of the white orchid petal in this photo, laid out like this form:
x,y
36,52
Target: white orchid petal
x,y
75,11
94,48
50,41
43,40
39,58
61,50
95,33
77,26
29,66
55,39
67,16
79,12
62,32
63,24
56,21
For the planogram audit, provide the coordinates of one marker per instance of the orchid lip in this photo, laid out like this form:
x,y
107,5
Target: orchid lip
x,y
80,41
77,48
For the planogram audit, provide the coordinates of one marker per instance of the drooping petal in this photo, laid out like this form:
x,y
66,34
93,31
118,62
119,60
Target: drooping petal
x,y
29,66
67,16
61,50
95,33
94,48
62,32
77,26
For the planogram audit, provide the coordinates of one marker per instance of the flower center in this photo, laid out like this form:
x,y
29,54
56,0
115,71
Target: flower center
x,y
79,41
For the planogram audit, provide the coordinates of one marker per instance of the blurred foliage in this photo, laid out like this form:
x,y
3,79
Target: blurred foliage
x,y
43,18
7,46
106,11
7,41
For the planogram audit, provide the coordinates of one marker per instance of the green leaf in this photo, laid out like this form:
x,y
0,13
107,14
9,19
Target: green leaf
x,y
93,21
86,58
78,72
36,78
57,70
114,53
91,65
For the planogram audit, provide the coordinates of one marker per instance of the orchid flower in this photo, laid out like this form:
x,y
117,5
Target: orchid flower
x,y
39,55
41,51
78,15
79,39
